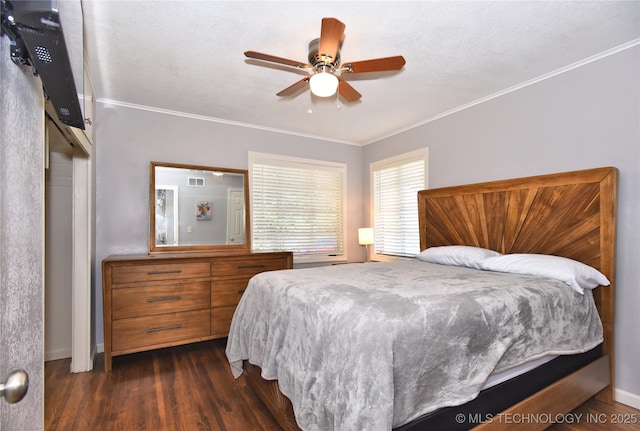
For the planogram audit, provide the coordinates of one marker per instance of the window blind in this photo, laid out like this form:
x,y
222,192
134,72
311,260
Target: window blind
x,y
396,184
298,206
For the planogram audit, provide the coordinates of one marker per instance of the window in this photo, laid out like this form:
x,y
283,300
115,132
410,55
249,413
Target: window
x,y
395,183
298,205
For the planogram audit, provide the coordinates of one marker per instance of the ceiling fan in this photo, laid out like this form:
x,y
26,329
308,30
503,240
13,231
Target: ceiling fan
x,y
324,64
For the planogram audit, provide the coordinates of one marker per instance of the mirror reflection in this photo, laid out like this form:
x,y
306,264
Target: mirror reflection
x,y
197,208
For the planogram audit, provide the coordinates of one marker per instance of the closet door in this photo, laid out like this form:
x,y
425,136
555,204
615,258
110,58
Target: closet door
x,y
21,239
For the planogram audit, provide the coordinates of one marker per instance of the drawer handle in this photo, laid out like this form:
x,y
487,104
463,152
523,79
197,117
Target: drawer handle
x,y
164,298
171,271
164,328
250,266
241,291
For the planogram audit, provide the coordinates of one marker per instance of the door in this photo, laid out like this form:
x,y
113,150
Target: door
x,y
21,239
235,216
58,245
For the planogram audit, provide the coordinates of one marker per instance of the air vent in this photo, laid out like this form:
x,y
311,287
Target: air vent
x,y
64,111
196,182
43,54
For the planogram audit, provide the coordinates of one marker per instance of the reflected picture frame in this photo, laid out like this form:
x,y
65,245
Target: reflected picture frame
x,y
203,210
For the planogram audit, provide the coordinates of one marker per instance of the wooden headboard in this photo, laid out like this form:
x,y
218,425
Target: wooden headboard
x,y
571,214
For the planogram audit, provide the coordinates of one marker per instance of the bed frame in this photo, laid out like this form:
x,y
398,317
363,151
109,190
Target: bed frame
x,y
570,214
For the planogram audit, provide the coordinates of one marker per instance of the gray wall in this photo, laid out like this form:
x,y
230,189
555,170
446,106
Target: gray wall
x,y
588,117
128,139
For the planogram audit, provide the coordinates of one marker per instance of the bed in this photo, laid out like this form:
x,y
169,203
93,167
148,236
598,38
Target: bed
x,y
570,215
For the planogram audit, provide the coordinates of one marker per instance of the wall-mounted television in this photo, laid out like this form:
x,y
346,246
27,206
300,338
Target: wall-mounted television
x,y
37,40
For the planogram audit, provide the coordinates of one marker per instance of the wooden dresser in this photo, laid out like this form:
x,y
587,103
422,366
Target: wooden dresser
x,y
155,301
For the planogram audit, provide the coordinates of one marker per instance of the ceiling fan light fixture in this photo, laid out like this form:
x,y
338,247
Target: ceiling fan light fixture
x,y
323,84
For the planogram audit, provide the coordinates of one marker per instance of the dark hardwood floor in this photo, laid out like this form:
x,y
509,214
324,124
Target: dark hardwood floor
x,y
596,415
187,388
190,388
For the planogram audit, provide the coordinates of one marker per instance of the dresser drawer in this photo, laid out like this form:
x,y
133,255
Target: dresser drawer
x,y
160,271
245,266
160,298
130,334
228,291
221,320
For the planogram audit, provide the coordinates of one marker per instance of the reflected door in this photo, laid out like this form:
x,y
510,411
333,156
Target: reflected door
x,y
235,217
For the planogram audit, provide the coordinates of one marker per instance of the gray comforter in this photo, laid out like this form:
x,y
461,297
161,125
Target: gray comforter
x,y
374,346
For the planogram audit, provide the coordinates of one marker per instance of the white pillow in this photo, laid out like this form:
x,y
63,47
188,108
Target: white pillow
x,y
458,255
576,274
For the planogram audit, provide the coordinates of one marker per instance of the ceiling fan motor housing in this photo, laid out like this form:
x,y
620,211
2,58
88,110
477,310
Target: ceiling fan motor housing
x,y
317,59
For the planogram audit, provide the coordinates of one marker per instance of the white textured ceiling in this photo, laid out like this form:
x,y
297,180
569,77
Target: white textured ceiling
x,y
187,56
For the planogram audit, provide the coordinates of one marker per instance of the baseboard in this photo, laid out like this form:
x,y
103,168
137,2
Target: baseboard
x,y
100,348
54,355
624,397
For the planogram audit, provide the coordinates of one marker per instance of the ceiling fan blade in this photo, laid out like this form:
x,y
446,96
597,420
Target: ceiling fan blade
x,y
347,91
274,59
330,38
293,88
375,65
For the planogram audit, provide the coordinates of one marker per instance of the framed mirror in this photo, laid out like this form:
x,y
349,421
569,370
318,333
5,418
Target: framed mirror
x,y
197,208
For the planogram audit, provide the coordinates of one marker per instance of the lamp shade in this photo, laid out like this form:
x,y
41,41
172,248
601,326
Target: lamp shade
x,y
323,84
365,235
